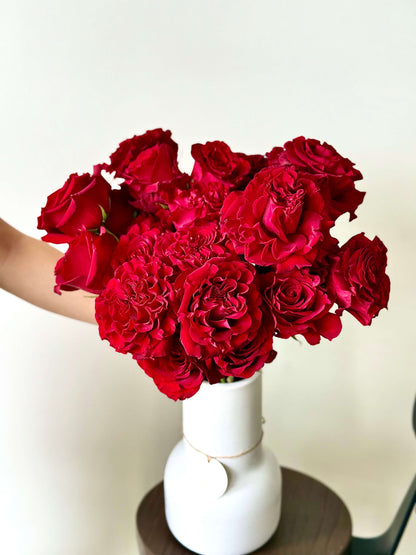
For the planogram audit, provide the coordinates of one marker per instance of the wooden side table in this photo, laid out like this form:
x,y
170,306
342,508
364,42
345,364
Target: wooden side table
x,y
314,521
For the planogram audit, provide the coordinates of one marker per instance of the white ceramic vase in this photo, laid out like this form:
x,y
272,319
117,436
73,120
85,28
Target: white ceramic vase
x,y
222,485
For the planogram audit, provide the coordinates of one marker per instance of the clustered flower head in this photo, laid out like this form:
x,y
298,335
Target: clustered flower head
x,y
196,274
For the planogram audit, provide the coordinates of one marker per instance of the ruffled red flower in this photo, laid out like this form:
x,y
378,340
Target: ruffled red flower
x,y
357,279
134,311
136,243
337,173
197,203
278,219
220,307
190,247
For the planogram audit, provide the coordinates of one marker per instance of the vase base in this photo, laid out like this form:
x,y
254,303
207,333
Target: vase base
x,y
313,520
229,546
240,521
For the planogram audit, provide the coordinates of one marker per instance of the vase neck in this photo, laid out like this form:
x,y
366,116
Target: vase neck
x,y
224,420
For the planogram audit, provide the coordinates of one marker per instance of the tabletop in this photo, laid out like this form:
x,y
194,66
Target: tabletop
x,y
314,521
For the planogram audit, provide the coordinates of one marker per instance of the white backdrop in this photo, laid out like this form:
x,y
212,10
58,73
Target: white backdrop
x,y
84,433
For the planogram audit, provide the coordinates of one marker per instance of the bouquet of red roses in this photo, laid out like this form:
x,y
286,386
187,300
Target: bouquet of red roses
x,y
196,274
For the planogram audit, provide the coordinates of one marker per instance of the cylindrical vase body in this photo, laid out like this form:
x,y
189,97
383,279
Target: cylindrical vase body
x,y
222,485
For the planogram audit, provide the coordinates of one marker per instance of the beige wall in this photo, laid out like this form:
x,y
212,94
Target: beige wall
x,y
84,433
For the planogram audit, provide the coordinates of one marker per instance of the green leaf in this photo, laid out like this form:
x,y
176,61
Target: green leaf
x,y
103,213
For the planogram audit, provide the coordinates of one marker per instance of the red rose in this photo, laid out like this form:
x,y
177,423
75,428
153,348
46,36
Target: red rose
x,y
176,374
300,306
152,166
146,162
79,204
252,355
217,159
190,247
86,264
134,311
278,219
337,173
312,156
357,280
220,307
130,149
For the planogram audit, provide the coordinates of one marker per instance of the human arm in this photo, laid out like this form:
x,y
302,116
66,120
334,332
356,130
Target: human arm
x,y
27,271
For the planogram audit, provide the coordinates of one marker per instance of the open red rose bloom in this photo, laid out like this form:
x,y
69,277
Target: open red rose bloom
x,y
196,274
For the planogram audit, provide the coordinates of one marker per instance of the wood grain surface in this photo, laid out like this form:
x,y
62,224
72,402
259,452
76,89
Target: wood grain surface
x,y
314,521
